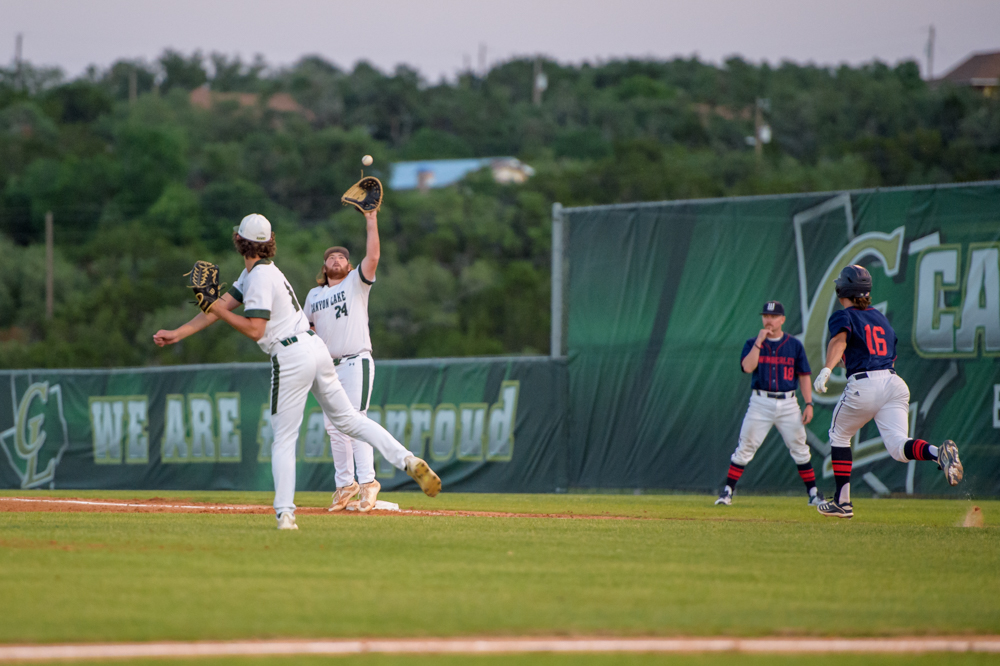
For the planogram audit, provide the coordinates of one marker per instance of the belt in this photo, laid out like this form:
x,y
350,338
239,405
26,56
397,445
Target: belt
x,y
864,375
292,340
337,361
779,396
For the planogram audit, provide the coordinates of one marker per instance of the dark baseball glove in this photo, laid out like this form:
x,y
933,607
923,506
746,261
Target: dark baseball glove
x,y
365,195
203,279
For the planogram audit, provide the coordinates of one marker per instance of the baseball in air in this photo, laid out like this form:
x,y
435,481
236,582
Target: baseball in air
x,y
367,160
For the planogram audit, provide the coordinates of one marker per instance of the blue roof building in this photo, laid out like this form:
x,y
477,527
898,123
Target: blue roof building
x,y
427,174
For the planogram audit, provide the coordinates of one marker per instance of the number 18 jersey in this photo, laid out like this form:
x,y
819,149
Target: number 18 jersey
x,y
340,314
871,341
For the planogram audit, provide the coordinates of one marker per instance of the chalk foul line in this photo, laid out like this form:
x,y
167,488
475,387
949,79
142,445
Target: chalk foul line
x,y
987,644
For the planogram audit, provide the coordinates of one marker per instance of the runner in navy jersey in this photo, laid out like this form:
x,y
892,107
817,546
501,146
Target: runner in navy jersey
x,y
777,360
862,338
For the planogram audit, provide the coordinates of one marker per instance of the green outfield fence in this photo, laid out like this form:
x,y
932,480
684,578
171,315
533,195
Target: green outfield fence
x,y
651,305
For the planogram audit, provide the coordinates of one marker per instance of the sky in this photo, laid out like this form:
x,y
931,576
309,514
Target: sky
x,y
438,37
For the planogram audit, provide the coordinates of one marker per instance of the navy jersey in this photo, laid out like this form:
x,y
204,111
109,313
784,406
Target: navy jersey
x,y
871,342
779,365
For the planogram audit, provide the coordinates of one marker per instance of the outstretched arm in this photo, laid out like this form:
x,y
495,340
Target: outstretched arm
x,y
372,249
835,350
200,321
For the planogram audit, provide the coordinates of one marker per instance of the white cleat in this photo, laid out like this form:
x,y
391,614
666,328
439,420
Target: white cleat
x,y
286,521
369,495
725,497
344,495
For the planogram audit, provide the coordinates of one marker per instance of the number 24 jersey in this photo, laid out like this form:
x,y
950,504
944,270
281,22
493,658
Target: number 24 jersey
x,y
871,341
340,314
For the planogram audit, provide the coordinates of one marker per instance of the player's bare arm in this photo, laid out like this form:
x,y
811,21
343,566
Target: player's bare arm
x,y
252,327
201,321
373,248
749,362
835,350
807,396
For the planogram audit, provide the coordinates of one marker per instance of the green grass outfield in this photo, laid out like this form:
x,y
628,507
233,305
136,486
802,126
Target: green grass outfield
x,y
765,566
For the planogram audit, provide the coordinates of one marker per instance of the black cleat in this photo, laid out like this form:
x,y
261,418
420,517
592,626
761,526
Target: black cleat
x,y
831,508
949,463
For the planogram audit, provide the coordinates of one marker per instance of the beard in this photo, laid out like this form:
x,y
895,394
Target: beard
x,y
338,273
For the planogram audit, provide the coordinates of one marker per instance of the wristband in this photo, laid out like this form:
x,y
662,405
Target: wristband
x,y
757,346
808,404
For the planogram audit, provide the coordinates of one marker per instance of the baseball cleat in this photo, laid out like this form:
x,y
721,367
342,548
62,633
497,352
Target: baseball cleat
x,y
286,521
425,477
831,508
817,499
344,495
369,493
725,497
949,463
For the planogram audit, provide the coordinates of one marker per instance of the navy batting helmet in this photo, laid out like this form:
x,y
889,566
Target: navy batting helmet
x,y
854,281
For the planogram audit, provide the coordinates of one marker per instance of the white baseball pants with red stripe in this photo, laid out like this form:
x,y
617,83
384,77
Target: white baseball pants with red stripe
x,y
882,396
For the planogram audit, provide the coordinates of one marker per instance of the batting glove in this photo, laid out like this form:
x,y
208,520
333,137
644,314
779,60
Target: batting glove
x,y
820,383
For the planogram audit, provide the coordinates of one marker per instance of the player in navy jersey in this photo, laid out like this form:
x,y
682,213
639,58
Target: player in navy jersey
x,y
777,360
862,338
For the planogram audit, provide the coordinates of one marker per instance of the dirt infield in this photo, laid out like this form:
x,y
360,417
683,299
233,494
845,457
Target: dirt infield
x,y
162,505
512,645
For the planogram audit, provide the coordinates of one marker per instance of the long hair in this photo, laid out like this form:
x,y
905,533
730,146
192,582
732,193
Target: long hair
x,y
322,277
249,248
862,302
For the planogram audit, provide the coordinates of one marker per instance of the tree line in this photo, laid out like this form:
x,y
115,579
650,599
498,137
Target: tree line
x,y
141,182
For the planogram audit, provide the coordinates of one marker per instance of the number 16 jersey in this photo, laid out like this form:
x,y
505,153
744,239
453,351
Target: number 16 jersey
x,y
871,341
340,314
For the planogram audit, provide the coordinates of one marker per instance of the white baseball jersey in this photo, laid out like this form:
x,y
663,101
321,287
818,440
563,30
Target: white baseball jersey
x,y
340,314
266,294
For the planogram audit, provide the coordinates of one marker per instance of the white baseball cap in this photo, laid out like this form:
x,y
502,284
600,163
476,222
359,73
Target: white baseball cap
x,y
255,227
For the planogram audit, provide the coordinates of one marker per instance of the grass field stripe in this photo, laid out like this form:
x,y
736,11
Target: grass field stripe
x,y
132,504
985,644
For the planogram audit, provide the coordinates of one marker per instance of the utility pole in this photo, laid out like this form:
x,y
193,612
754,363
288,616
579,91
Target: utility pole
x,y
49,266
18,45
929,51
482,60
133,85
539,83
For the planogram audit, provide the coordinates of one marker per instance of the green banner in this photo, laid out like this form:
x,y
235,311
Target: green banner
x,y
662,297
483,424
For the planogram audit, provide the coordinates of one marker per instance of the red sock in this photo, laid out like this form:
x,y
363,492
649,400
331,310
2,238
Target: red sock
x,y
735,472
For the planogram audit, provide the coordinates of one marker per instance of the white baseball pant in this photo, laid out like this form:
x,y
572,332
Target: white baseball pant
x,y
764,412
357,376
295,370
882,396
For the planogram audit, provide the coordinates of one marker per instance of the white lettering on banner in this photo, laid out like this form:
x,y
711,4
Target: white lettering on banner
x,y
944,327
175,442
443,439
934,323
501,430
107,417
420,428
228,407
472,431
190,435
137,431
996,405
116,420
202,435
981,303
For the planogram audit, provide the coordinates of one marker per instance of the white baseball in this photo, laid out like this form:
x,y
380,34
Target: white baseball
x,y
367,160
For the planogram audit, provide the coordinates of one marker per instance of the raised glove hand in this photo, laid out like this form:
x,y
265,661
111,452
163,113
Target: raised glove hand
x,y
820,383
203,279
365,195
